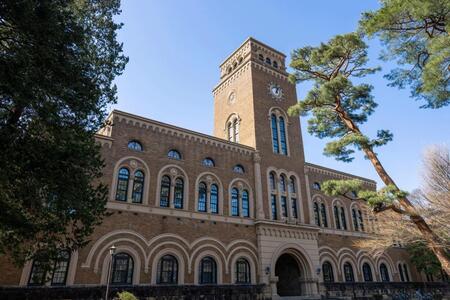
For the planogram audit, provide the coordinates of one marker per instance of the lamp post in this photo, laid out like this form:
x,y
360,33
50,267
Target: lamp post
x,y
112,251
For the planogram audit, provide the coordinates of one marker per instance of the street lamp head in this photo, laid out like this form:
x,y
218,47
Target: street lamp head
x,y
112,250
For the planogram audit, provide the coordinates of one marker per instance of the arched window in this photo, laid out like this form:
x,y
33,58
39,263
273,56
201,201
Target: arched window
x,y
135,145
167,270
282,183
214,201
261,57
400,270
367,272
235,202
405,271
284,206
323,213
208,271
230,131
283,136
316,186
292,184
122,184
174,154
272,180
327,270
242,271
58,272
138,187
165,192
178,193
236,130
238,169
343,220
348,273
275,64
208,162
122,269
384,273
336,217
273,205
294,208
268,61
316,213
361,220
201,197
245,204
355,220
274,126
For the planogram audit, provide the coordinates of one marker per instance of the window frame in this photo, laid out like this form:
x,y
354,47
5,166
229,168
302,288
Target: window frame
x,y
126,183
173,272
138,180
213,271
132,146
239,273
129,272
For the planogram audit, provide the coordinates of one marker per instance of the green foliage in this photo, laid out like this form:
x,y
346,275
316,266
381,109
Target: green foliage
x,y
336,105
375,199
416,35
126,296
423,258
59,60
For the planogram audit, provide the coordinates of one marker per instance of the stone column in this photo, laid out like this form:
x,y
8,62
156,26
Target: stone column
x,y
258,187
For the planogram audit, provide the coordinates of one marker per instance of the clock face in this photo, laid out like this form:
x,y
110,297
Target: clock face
x,y
275,91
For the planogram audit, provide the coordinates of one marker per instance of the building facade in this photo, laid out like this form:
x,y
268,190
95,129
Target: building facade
x,y
239,207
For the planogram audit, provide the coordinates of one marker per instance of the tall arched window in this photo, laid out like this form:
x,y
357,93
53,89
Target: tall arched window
x,y
384,273
167,270
245,204
336,217
122,269
138,187
400,270
273,205
284,206
348,273
236,130
201,197
242,271
327,270
316,213
235,202
355,220
214,201
208,271
405,271
283,136
275,142
272,181
294,208
282,183
343,220
122,184
323,213
367,272
292,188
165,191
361,220
178,193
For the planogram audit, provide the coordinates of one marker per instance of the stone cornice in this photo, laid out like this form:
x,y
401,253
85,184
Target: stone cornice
x,y
171,130
335,173
304,232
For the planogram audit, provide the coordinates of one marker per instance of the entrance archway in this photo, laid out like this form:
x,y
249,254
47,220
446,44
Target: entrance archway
x,y
289,274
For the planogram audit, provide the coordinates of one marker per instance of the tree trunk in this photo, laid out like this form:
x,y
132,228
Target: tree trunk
x,y
430,237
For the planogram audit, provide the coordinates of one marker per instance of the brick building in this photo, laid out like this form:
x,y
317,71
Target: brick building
x,y
239,207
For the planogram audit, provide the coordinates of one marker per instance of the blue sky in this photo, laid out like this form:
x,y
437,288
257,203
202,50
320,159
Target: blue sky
x,y
175,48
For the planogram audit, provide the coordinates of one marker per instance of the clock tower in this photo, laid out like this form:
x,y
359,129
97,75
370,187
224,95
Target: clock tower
x,y
250,107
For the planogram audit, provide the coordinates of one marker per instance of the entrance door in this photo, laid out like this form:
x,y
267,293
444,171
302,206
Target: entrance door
x,y
288,273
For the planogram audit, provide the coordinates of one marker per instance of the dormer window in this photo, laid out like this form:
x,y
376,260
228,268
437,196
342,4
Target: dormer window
x,y
135,145
208,162
268,61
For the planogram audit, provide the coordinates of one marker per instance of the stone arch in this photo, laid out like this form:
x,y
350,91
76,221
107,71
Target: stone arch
x,y
133,167
220,253
242,253
366,259
350,259
179,256
136,263
214,179
219,263
173,171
